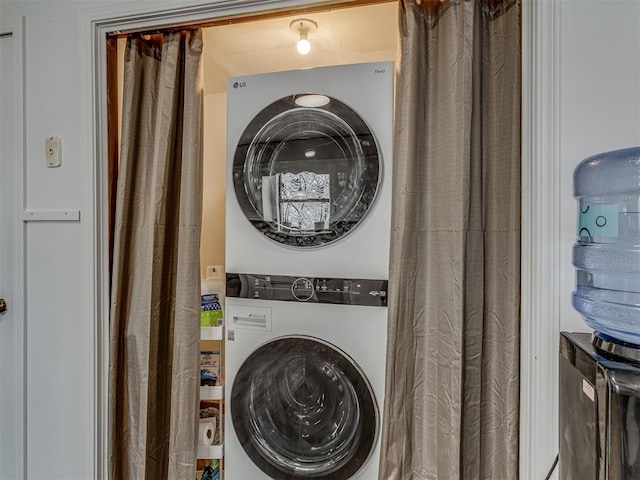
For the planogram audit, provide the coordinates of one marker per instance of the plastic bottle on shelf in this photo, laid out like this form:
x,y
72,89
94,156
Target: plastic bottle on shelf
x,y
606,254
212,297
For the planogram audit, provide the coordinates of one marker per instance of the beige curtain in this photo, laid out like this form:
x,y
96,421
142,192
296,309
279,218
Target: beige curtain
x,y
155,310
452,395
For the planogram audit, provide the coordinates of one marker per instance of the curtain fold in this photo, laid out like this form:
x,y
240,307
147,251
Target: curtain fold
x,y
452,386
155,303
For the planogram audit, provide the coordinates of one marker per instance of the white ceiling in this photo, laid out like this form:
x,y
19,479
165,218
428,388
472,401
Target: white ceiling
x,y
344,35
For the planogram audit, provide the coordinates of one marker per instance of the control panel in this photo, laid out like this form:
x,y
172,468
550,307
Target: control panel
x,y
342,291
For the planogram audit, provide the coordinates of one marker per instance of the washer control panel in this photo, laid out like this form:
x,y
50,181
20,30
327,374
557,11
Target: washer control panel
x,y
341,291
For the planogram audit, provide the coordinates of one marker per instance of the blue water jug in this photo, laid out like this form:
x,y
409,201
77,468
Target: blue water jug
x,y
606,254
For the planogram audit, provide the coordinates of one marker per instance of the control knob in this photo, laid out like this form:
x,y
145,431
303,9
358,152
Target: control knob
x,y
302,289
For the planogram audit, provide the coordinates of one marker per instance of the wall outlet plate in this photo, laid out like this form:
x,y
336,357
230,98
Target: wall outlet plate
x,y
53,151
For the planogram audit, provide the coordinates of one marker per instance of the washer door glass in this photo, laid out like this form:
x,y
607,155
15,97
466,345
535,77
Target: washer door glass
x,y
306,175
303,409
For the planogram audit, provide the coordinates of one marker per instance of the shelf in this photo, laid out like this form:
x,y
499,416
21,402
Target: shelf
x,y
212,397
212,393
211,333
213,451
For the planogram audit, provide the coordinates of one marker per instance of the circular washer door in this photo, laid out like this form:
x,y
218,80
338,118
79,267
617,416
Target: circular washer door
x,y
304,175
303,409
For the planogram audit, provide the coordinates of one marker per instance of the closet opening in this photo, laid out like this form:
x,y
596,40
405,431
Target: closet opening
x,y
345,33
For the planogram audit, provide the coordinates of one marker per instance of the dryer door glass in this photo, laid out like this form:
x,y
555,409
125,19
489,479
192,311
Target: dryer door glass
x,y
306,170
303,409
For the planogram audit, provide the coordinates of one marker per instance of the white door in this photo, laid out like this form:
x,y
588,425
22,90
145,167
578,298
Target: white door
x,y
11,324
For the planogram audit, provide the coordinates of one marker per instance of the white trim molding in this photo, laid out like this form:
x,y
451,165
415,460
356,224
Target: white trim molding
x,y
540,237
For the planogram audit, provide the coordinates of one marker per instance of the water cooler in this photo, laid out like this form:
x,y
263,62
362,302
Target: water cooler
x,y
599,412
599,372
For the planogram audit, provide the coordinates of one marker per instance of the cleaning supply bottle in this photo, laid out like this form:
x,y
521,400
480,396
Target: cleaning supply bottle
x,y
212,297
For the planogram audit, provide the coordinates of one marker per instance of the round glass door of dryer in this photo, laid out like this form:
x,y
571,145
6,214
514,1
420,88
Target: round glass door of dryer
x,y
306,170
302,409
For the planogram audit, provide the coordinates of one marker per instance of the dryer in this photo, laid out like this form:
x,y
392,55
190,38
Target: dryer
x,y
309,171
305,369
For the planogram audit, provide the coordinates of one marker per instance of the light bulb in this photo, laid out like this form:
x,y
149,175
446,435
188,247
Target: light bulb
x,y
303,46
303,27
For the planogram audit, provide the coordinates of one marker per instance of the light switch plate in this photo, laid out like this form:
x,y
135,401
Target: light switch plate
x,y
53,151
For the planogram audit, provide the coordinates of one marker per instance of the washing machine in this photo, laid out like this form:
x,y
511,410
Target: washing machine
x,y
305,369
309,171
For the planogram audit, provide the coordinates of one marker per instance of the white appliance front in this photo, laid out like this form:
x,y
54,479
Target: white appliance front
x,y
293,372
309,171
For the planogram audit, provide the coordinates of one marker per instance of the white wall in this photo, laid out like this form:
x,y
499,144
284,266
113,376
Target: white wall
x,y
598,108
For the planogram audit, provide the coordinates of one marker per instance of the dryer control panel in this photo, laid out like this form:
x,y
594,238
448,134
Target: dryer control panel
x,y
341,291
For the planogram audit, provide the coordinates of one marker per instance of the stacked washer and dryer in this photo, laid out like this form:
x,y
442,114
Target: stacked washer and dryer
x,y
307,255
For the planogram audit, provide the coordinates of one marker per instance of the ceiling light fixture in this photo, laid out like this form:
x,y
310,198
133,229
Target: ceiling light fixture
x,y
303,26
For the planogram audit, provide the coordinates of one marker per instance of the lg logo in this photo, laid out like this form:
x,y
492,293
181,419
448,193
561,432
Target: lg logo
x,y
239,84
